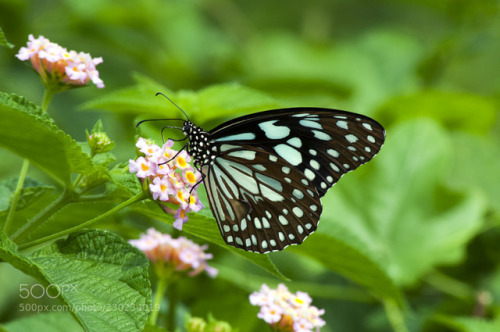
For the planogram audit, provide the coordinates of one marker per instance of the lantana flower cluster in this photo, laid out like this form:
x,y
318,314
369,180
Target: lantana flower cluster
x,y
179,254
55,64
285,311
169,176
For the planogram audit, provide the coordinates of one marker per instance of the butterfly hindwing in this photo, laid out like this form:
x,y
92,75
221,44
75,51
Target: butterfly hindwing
x,y
260,203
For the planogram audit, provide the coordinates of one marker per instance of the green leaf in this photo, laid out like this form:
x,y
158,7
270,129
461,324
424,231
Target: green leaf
x,y
400,211
367,69
70,215
31,192
206,228
107,272
137,99
468,324
3,40
46,145
476,165
50,322
212,102
338,255
123,182
224,100
102,271
451,109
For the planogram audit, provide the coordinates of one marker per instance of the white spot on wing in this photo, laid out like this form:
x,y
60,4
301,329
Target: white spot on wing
x,y
281,236
243,154
309,174
288,153
236,137
314,164
297,193
295,141
298,211
321,135
283,220
257,223
272,131
342,124
310,124
351,138
333,153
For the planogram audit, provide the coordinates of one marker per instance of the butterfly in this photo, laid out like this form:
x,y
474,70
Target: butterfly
x,y
266,172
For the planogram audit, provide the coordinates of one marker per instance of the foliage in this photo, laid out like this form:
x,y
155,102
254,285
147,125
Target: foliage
x,y
408,242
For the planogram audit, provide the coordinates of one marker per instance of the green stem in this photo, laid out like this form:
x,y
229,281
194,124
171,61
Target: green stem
x,y
47,97
173,298
49,210
17,193
139,197
450,286
395,316
160,292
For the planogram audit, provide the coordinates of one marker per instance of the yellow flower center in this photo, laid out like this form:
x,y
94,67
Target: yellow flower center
x,y
144,167
180,195
181,162
163,187
190,177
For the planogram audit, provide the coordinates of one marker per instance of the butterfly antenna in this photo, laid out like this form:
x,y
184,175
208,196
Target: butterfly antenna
x,y
170,100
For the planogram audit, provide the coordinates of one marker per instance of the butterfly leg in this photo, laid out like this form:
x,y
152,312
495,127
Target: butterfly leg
x,y
175,140
178,152
197,183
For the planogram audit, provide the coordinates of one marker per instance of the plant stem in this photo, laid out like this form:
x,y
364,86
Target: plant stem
x,y
173,297
62,200
17,193
47,97
395,316
139,197
160,292
450,286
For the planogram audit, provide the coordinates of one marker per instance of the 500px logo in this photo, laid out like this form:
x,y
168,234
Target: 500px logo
x,y
38,291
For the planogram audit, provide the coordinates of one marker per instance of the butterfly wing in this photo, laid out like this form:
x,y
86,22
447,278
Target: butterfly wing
x,y
323,144
271,168
258,206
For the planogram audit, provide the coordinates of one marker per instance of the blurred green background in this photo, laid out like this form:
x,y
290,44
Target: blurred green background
x,y
427,208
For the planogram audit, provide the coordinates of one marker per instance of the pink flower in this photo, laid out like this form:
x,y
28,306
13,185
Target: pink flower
x,y
286,311
180,255
56,65
170,180
142,167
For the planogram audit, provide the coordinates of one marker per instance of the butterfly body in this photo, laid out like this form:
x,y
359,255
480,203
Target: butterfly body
x,y
265,172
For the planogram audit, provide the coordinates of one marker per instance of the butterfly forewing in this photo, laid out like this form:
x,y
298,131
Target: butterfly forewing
x,y
259,206
323,144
